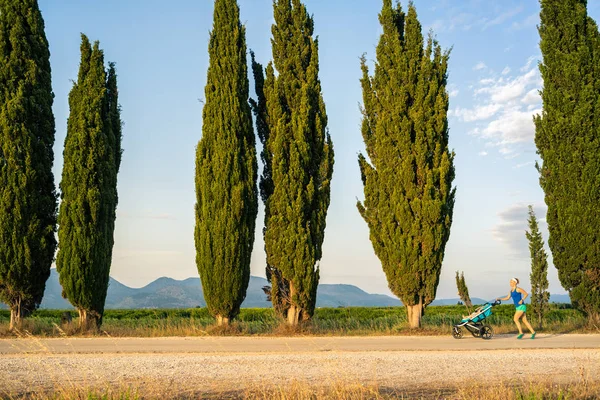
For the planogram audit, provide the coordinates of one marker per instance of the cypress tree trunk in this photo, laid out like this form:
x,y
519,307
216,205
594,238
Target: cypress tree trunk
x,y
226,170
293,311
27,192
568,141
16,317
89,320
92,157
414,314
408,178
298,161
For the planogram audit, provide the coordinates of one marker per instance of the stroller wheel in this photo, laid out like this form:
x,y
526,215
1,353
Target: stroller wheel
x,y
456,332
476,331
486,332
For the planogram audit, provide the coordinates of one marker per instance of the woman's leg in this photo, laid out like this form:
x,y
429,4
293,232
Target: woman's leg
x,y
518,316
527,324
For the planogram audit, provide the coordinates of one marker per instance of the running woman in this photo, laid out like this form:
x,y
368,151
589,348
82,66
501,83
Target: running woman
x,y
518,296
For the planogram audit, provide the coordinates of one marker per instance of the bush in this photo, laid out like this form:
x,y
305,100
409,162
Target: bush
x,y
264,321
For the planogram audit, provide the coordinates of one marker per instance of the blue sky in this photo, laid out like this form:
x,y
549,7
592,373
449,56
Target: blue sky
x,y
161,54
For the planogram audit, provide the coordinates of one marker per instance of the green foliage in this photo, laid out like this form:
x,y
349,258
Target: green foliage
x,y
297,157
326,321
226,169
540,296
27,192
408,175
568,142
92,157
463,290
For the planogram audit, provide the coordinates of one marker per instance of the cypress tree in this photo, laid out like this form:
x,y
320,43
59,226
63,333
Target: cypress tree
x,y
226,170
298,160
408,175
539,269
463,290
568,142
27,192
92,157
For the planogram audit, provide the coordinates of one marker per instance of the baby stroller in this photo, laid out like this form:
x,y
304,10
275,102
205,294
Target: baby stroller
x,y
473,323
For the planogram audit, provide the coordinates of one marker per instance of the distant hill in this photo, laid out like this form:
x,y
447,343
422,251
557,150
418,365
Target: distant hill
x,y
171,293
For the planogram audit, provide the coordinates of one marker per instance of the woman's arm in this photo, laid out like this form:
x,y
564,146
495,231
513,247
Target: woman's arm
x,y
504,298
524,295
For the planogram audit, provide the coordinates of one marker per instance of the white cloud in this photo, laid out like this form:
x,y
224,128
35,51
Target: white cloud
x,y
480,65
525,164
527,65
451,22
512,226
528,22
531,107
532,97
506,90
504,109
438,26
503,17
452,90
513,126
478,113
483,153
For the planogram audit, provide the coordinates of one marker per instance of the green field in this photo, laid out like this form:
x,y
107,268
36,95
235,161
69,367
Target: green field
x,y
263,321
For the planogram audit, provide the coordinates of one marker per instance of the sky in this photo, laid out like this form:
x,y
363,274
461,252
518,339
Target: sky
x,y
161,55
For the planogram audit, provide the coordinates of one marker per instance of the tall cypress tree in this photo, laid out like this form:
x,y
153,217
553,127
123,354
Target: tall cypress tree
x,y
408,177
298,160
568,142
539,269
463,290
27,192
92,157
226,170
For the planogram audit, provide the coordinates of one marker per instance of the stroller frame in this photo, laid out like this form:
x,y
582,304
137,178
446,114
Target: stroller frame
x,y
473,323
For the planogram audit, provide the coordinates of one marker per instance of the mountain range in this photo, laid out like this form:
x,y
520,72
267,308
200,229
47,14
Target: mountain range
x,y
171,293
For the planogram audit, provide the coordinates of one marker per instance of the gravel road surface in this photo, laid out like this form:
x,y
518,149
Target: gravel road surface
x,y
245,344
234,363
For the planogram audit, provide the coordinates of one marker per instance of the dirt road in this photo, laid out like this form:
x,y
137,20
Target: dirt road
x,y
293,344
234,363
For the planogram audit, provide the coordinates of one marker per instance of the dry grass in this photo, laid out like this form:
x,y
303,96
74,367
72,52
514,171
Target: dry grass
x,y
338,391
584,390
191,329
532,391
352,321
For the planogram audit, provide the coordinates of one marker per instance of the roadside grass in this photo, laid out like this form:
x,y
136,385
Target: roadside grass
x,y
299,390
348,321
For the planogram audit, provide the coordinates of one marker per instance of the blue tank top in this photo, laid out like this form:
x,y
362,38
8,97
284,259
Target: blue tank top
x,y
516,297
